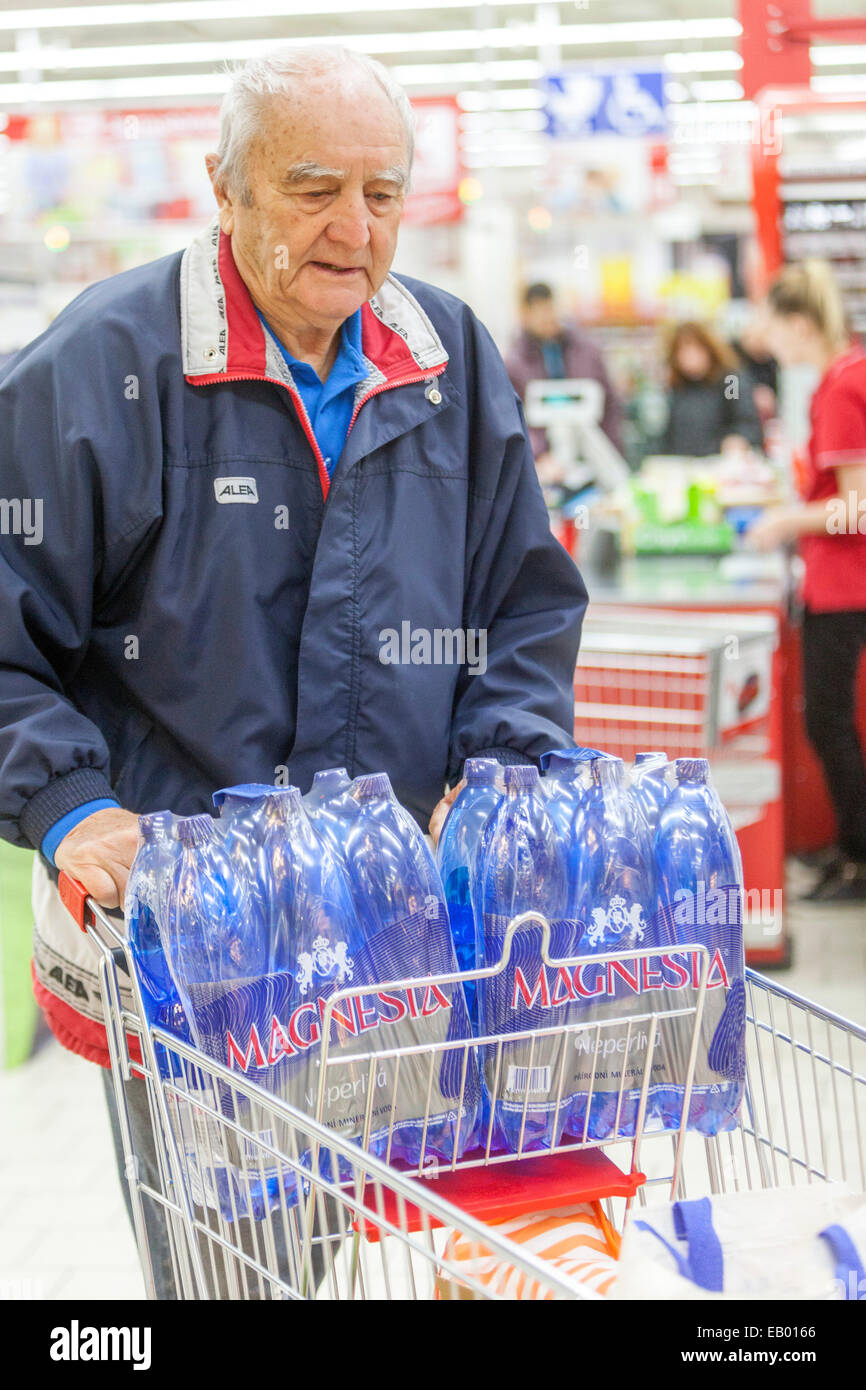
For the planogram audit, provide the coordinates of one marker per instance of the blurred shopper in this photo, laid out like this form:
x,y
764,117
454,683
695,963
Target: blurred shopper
x,y
752,350
548,349
162,641
807,327
710,397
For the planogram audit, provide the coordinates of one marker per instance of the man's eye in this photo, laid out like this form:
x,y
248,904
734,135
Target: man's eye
x,y
381,197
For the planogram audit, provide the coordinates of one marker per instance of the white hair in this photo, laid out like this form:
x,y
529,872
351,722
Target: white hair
x,y
256,82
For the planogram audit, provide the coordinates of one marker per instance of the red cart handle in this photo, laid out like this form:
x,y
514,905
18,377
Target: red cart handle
x,y
74,897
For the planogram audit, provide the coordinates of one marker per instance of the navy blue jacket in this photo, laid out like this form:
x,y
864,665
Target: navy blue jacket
x,y
202,608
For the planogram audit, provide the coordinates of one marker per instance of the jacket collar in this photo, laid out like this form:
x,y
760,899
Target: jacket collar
x,y
223,340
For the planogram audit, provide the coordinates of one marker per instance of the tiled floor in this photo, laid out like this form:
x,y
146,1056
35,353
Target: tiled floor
x,y
64,1231
63,1228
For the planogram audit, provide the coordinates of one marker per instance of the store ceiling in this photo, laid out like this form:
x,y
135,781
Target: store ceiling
x,y
162,51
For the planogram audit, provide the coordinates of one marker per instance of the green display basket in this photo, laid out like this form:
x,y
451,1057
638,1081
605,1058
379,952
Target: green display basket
x,y
683,538
18,1011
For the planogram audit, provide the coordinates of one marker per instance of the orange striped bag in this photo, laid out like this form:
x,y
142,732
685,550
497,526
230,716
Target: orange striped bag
x,y
578,1241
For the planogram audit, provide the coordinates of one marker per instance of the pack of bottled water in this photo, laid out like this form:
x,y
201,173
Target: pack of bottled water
x,y
616,860
242,928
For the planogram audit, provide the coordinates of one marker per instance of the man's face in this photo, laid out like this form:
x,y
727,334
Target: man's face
x,y
541,320
314,246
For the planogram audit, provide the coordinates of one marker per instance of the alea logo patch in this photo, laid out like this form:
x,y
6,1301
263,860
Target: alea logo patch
x,y
236,489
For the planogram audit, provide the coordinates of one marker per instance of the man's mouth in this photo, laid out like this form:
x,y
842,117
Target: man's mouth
x,y
339,270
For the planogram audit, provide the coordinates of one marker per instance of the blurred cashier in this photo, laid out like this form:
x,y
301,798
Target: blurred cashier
x,y
807,327
710,400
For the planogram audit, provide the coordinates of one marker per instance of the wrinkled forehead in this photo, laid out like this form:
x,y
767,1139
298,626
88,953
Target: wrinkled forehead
x,y
335,123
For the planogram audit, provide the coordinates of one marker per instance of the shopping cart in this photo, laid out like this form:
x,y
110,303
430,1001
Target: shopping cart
x,y
262,1201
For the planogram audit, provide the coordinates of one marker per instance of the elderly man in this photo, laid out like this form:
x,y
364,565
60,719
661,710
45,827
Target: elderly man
x,y
290,517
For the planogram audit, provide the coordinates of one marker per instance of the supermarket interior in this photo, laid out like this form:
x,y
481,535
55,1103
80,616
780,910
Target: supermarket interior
x,y
655,211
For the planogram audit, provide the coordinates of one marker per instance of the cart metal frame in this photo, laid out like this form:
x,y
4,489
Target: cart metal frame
x,y
340,1222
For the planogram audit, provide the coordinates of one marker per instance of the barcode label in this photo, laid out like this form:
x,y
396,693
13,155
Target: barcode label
x,y
533,1081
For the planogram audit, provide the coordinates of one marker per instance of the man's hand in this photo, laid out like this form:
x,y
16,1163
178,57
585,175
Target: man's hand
x,y
437,820
99,851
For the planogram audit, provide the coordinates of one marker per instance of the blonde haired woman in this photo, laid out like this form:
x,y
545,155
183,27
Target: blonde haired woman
x,y
806,326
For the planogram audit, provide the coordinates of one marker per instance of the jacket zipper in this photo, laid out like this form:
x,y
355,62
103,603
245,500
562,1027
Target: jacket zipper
x,y
404,381
324,480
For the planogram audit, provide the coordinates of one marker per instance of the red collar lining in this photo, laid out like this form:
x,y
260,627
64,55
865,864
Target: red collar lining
x,y
383,346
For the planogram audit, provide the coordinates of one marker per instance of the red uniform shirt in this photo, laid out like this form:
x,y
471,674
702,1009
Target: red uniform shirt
x,y
835,563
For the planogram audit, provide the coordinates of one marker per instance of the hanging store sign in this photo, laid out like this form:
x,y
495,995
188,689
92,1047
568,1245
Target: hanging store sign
x,y
437,168
585,101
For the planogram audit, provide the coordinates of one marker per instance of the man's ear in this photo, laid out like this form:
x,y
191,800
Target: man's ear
x,y
223,200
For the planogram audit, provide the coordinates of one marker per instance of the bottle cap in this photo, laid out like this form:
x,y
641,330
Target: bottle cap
x,y
521,777
156,823
245,791
563,765
480,772
606,771
566,756
692,770
286,801
372,785
330,774
658,756
195,830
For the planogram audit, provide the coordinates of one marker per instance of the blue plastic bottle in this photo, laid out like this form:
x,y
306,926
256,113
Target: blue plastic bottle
x,y
400,903
144,908
331,807
699,879
650,788
611,900
522,867
253,819
566,781
456,852
239,809
212,933
326,784
215,940
310,903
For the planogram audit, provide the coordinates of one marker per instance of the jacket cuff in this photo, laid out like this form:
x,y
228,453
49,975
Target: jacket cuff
x,y
508,757
64,794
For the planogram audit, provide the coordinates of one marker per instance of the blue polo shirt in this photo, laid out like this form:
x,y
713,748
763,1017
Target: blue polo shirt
x,y
329,404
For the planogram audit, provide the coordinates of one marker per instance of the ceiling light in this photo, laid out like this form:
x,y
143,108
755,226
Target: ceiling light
x,y
725,60
717,91
507,99
837,54
210,11
841,82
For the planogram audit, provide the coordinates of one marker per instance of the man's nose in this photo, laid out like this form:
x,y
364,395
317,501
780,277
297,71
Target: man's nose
x,y
350,224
